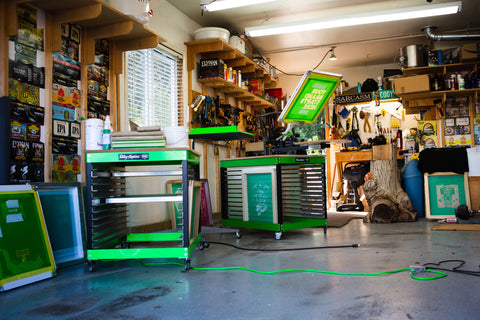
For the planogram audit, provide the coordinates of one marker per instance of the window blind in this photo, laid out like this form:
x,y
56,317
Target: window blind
x,y
155,88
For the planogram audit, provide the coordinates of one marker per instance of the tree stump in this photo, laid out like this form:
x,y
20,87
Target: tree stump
x,y
387,200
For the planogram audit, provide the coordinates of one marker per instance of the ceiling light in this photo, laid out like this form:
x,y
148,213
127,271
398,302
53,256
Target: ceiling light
x,y
357,19
333,57
216,5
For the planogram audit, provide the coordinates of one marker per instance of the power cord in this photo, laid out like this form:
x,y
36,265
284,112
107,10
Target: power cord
x,y
281,71
413,274
355,245
436,266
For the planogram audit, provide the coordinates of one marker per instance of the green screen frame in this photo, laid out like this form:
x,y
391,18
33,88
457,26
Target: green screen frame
x,y
310,97
435,205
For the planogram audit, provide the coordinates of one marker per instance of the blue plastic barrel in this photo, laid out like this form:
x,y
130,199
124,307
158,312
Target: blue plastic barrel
x,y
413,186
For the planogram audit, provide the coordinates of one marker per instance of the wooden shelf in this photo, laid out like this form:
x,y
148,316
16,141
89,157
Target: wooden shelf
x,y
413,102
237,92
445,68
218,48
100,21
438,94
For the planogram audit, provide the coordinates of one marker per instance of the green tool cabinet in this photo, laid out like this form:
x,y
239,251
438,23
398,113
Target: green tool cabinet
x,y
277,193
107,199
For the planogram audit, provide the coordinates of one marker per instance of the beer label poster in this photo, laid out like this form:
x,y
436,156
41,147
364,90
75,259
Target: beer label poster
x,y
310,96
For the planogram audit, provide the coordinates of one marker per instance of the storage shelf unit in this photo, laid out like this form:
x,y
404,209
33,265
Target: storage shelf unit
x,y
276,193
413,101
107,197
218,48
237,92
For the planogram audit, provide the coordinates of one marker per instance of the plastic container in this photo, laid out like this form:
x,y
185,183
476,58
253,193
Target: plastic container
x,y
93,134
107,134
237,43
413,186
211,32
136,9
177,137
473,155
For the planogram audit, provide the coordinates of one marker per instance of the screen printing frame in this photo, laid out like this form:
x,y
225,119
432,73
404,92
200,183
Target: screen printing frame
x,y
69,200
310,97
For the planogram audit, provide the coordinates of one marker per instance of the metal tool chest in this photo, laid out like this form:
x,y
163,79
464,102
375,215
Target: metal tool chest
x,y
108,196
276,193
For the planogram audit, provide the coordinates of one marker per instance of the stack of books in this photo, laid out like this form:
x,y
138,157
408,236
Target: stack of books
x,y
138,139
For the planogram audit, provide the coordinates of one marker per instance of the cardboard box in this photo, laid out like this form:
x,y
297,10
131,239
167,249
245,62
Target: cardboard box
x,y
254,146
412,84
257,87
211,68
474,186
469,52
383,152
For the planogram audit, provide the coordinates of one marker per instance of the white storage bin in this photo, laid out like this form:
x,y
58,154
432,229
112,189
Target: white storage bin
x,y
211,32
237,43
473,155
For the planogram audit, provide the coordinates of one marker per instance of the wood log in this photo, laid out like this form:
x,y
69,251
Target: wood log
x,y
387,200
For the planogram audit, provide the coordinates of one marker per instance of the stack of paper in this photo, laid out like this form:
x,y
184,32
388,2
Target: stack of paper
x,y
138,139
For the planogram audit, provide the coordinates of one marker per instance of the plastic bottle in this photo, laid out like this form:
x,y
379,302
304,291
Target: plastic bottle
x,y
460,81
380,83
399,139
107,137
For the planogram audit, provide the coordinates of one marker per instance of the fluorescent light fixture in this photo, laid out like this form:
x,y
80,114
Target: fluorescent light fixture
x,y
217,5
430,10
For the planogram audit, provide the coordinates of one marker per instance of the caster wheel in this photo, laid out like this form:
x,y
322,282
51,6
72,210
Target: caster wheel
x,y
325,230
238,235
201,245
92,267
278,235
206,244
187,265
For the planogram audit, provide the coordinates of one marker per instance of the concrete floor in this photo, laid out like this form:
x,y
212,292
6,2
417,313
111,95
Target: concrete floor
x,y
132,290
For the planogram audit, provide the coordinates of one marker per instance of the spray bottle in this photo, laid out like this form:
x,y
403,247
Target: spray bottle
x,y
107,137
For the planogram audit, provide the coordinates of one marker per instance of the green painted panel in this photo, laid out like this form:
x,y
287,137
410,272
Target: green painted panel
x,y
293,223
260,201
155,236
213,130
251,225
300,159
142,157
272,160
248,162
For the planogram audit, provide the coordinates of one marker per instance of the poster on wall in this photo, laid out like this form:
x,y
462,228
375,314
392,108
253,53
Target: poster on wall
x,y
429,131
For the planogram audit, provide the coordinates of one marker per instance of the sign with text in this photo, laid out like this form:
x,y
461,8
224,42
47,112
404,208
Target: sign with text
x,y
387,95
310,97
353,98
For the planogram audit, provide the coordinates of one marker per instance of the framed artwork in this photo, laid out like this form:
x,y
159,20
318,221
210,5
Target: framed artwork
x,y
444,192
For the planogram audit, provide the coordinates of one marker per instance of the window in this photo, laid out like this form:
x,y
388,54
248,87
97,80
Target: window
x,y
155,87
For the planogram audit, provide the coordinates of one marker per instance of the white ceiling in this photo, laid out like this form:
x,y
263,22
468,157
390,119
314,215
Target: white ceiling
x,y
355,46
